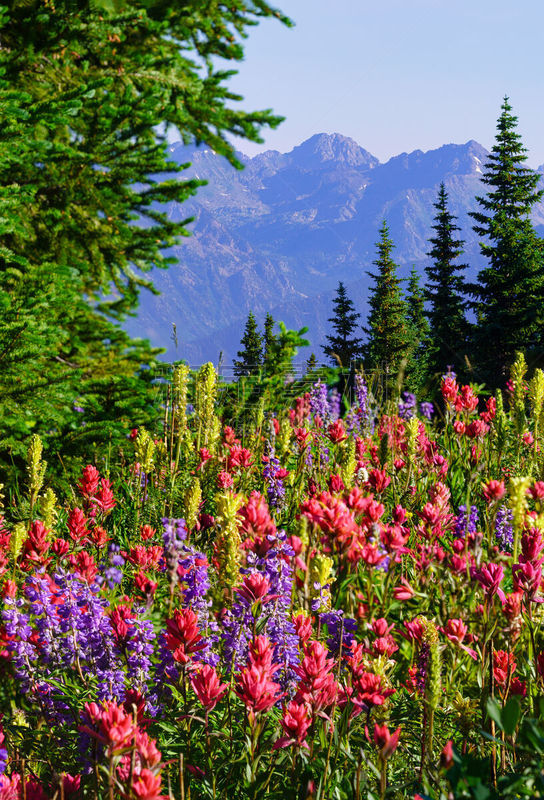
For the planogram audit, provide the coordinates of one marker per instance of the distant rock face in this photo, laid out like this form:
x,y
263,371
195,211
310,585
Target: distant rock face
x,y
278,236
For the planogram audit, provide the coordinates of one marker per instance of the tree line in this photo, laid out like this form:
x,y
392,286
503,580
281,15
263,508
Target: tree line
x,y
475,327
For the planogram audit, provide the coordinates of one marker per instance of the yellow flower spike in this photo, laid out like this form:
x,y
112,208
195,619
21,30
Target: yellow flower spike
x,y
48,511
430,646
349,462
144,450
412,431
215,433
205,394
320,572
432,684
536,399
18,536
228,540
180,386
302,531
536,393
465,711
259,416
517,374
192,504
36,468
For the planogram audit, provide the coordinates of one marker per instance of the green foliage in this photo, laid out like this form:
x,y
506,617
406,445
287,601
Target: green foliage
x,y
343,346
275,384
418,331
387,326
269,341
283,350
509,295
87,92
251,354
445,293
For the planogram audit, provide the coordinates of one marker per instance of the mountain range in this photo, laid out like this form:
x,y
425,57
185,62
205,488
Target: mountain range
x,y
280,234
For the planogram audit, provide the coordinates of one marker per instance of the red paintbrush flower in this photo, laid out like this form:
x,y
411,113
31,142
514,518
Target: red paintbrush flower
x,y
183,637
385,741
147,786
295,723
88,484
104,498
208,687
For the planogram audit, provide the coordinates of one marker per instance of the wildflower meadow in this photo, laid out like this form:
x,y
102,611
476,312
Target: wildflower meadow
x,y
336,601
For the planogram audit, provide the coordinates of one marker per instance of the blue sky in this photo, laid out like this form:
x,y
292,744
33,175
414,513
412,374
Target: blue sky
x,y
398,75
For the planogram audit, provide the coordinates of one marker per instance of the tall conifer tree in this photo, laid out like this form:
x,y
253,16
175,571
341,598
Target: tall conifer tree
x,y
387,328
509,296
343,345
85,92
250,355
269,341
418,330
445,292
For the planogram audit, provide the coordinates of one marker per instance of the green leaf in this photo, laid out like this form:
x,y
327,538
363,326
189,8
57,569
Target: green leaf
x,y
494,712
510,715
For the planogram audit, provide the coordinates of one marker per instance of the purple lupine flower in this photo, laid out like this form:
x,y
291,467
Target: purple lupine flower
x,y
361,392
139,649
323,452
334,405
194,585
110,569
384,564
318,400
408,406
275,489
504,531
464,526
3,758
277,566
174,535
322,597
426,409
274,620
23,652
352,422
188,569
64,625
341,629
174,532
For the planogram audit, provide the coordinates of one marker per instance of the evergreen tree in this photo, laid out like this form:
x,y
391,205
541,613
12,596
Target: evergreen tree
x,y
284,348
418,329
251,354
509,296
84,90
269,341
311,365
445,292
96,80
343,346
387,327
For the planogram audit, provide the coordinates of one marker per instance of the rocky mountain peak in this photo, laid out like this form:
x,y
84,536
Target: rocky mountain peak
x,y
331,147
